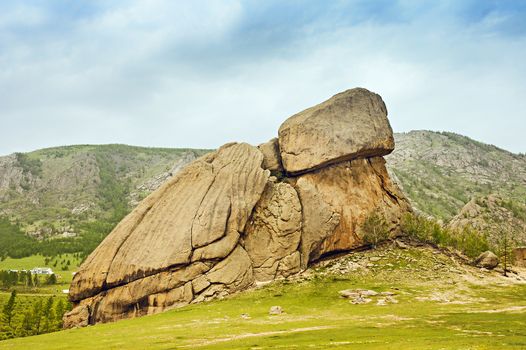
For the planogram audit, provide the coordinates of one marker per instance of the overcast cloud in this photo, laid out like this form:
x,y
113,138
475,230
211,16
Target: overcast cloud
x,y
203,73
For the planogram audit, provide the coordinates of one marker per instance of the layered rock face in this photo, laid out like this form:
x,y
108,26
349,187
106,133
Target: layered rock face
x,y
246,214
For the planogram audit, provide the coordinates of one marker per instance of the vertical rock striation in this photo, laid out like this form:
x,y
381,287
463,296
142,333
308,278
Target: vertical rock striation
x,y
224,223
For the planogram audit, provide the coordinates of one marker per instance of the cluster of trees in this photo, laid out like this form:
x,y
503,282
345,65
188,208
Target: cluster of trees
x,y
16,244
23,318
10,279
466,240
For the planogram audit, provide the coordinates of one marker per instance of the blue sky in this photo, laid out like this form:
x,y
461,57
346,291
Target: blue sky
x,y
203,73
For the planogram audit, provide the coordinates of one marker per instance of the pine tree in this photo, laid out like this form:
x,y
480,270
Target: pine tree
x,y
48,314
29,279
27,323
60,309
505,245
51,279
9,309
37,316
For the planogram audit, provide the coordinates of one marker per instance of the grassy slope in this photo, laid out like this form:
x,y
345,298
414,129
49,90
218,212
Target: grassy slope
x,y
481,312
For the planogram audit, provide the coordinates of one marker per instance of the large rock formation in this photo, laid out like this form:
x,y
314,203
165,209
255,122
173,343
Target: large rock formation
x,y
247,214
352,124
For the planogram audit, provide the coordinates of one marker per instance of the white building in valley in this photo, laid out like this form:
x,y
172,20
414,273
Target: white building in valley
x,y
41,271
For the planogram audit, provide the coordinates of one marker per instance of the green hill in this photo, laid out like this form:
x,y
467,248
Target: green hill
x,y
75,195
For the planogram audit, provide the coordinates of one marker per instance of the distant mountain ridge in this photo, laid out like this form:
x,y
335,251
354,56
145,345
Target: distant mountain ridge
x,y
56,192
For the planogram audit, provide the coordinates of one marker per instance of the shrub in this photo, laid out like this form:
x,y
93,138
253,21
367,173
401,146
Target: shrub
x,y
29,165
375,229
466,240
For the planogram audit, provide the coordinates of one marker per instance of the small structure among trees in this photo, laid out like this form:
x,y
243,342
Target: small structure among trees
x,y
42,271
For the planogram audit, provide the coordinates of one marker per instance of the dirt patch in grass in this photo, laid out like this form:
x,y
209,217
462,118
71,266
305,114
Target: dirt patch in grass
x,y
254,335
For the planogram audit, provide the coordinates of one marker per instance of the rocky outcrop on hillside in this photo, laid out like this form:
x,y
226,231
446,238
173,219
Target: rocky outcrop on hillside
x,y
440,172
246,214
496,218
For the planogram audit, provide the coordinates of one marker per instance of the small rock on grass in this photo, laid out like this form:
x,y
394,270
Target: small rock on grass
x,y
353,293
391,300
381,302
361,300
387,293
349,293
275,310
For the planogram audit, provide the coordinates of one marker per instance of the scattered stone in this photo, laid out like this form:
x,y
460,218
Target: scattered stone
x,y
401,245
357,293
349,293
387,293
368,293
381,302
375,259
391,300
487,260
361,300
275,310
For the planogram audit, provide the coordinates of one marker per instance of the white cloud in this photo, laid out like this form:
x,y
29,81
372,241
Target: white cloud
x,y
187,74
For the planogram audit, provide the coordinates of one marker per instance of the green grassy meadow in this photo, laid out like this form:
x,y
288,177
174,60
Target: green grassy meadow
x,y
440,306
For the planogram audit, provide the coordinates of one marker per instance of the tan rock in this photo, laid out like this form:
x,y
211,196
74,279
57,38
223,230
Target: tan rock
x,y
276,226
352,124
271,156
195,216
487,260
289,265
176,297
336,201
78,317
235,272
223,224
122,301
